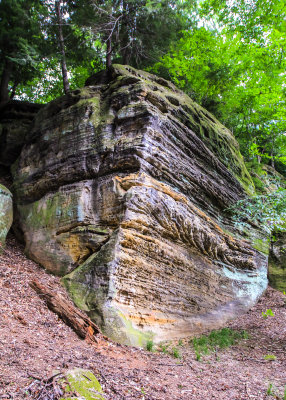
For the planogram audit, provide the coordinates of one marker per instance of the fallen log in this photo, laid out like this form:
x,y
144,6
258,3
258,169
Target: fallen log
x,y
72,316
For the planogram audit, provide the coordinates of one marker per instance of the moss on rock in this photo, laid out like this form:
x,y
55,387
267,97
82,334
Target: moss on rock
x,y
84,383
277,276
277,262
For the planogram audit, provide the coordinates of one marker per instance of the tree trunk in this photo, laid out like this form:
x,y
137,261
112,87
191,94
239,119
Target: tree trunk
x,y
109,53
71,316
125,36
6,74
62,48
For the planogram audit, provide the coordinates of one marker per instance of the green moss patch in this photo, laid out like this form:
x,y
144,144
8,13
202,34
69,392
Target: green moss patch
x,y
83,383
277,276
261,245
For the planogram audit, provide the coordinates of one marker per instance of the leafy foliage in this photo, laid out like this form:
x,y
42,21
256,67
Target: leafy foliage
x,y
267,313
229,55
20,42
233,63
269,211
126,29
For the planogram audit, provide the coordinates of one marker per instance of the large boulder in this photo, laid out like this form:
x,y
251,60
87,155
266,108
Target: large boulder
x,y
123,188
6,214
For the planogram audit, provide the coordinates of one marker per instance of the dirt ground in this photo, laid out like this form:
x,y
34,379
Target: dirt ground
x,y
34,343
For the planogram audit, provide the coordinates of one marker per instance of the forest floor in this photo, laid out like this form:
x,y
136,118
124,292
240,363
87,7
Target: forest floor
x,y
34,343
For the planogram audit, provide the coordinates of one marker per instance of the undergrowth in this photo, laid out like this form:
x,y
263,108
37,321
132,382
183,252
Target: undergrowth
x,y
149,345
222,338
273,391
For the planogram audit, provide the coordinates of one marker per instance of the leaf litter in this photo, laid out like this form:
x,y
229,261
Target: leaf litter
x,y
36,347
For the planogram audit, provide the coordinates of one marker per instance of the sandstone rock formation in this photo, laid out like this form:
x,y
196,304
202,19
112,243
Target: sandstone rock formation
x,y
6,214
122,189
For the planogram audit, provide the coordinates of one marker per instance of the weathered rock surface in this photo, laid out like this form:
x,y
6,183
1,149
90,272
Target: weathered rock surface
x,y
15,121
277,262
6,214
122,188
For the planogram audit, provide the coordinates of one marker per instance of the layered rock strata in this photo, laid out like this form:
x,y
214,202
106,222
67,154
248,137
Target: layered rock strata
x,y
122,189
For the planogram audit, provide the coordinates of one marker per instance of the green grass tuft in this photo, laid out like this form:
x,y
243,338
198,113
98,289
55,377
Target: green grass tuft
x,y
216,339
176,353
149,345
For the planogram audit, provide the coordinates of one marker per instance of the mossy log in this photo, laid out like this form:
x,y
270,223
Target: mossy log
x,y
71,316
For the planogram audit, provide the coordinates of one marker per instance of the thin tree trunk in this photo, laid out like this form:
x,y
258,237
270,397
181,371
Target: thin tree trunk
x,y
109,53
62,48
6,74
125,36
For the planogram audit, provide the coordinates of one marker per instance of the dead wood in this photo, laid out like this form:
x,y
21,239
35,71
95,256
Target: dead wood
x,y
72,316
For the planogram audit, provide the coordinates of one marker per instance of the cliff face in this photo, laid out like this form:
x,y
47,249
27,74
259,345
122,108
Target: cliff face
x,y
122,188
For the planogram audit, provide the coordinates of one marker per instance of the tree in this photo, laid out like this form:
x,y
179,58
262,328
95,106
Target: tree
x,y
66,42
127,28
20,39
68,52
77,33
234,65
59,13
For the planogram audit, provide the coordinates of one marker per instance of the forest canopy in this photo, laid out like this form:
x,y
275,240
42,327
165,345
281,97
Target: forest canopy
x,y
228,55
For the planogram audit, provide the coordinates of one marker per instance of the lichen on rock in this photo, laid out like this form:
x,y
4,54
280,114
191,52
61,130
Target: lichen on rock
x,y
122,188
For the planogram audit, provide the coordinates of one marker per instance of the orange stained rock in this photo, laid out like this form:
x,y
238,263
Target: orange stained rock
x,y
150,319
75,248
